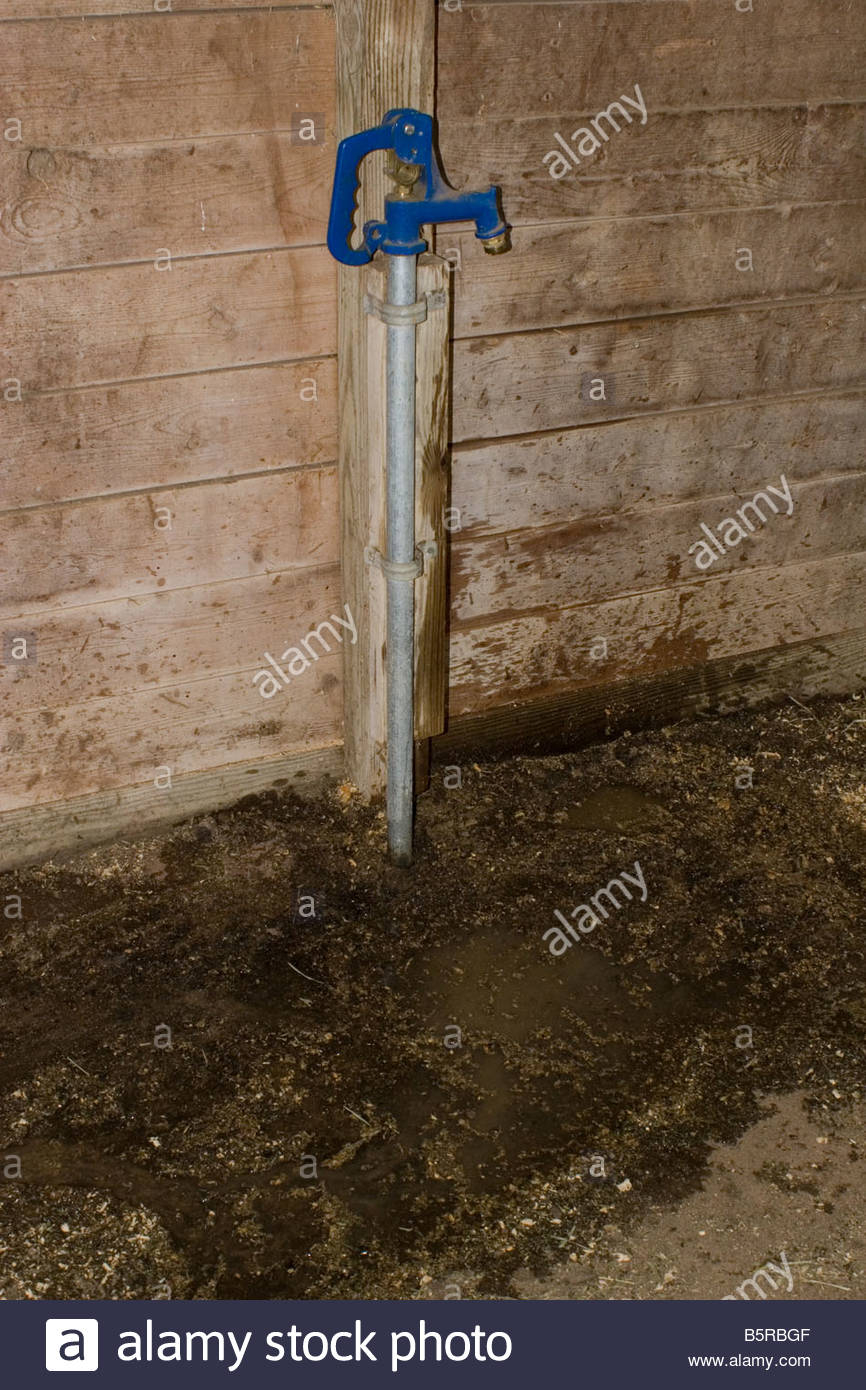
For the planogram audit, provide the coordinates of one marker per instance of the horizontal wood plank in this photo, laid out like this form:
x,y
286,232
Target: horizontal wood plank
x,y
580,272
590,560
695,161
157,434
510,61
527,382
75,9
195,315
193,726
128,546
165,76
87,207
539,655
176,635
799,670
547,480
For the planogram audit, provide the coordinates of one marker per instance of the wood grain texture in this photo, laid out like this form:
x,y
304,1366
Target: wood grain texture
x,y
510,61
165,76
173,634
538,655
159,434
193,726
548,480
196,315
148,636
527,382
695,161
116,547
86,207
386,52
74,9
799,670
432,413
578,272
117,647
591,560
89,206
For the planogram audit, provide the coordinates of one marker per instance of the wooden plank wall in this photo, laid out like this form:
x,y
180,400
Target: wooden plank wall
x,y
575,513
168,483
168,355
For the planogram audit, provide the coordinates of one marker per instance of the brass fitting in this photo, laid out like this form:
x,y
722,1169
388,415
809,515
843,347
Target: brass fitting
x,y
495,245
404,175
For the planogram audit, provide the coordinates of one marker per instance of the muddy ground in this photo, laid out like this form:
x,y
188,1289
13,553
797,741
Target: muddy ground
x,y
382,1083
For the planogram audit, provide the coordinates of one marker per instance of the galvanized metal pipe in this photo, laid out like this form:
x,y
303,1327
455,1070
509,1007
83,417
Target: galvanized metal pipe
x,y
400,549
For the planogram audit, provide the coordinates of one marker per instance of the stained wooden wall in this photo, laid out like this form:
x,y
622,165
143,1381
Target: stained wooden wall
x,y
577,514
168,481
205,393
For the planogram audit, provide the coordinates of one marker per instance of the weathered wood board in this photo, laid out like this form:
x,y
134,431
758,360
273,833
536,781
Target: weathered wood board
x,y
83,207
508,61
432,410
526,382
161,433
171,633
74,9
190,726
614,383
178,523
102,649
578,272
592,559
692,161
71,207
386,56
59,828
136,544
82,747
823,666
169,316
833,665
547,480
536,655
165,76
618,379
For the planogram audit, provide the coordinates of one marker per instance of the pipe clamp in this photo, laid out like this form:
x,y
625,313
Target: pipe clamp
x,y
408,570
403,315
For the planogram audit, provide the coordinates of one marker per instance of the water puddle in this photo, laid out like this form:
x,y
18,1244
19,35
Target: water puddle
x,y
618,810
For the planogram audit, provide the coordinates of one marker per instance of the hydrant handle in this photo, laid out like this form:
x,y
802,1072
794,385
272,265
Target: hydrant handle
x,y
409,134
341,222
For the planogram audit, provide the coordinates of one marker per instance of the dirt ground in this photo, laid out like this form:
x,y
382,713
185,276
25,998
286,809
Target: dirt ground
x,y
248,1058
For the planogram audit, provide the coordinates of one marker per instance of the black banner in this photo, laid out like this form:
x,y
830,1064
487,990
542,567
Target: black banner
x,y
418,1344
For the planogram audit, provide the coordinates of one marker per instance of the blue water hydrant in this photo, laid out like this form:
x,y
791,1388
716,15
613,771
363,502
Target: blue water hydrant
x,y
422,197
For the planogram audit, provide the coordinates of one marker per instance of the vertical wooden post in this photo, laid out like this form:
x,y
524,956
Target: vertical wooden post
x,y
431,495
386,58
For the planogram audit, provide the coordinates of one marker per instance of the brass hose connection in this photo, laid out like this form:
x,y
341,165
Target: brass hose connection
x,y
496,245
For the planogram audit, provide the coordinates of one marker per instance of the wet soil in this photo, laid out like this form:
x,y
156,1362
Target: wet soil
x,y
248,1058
